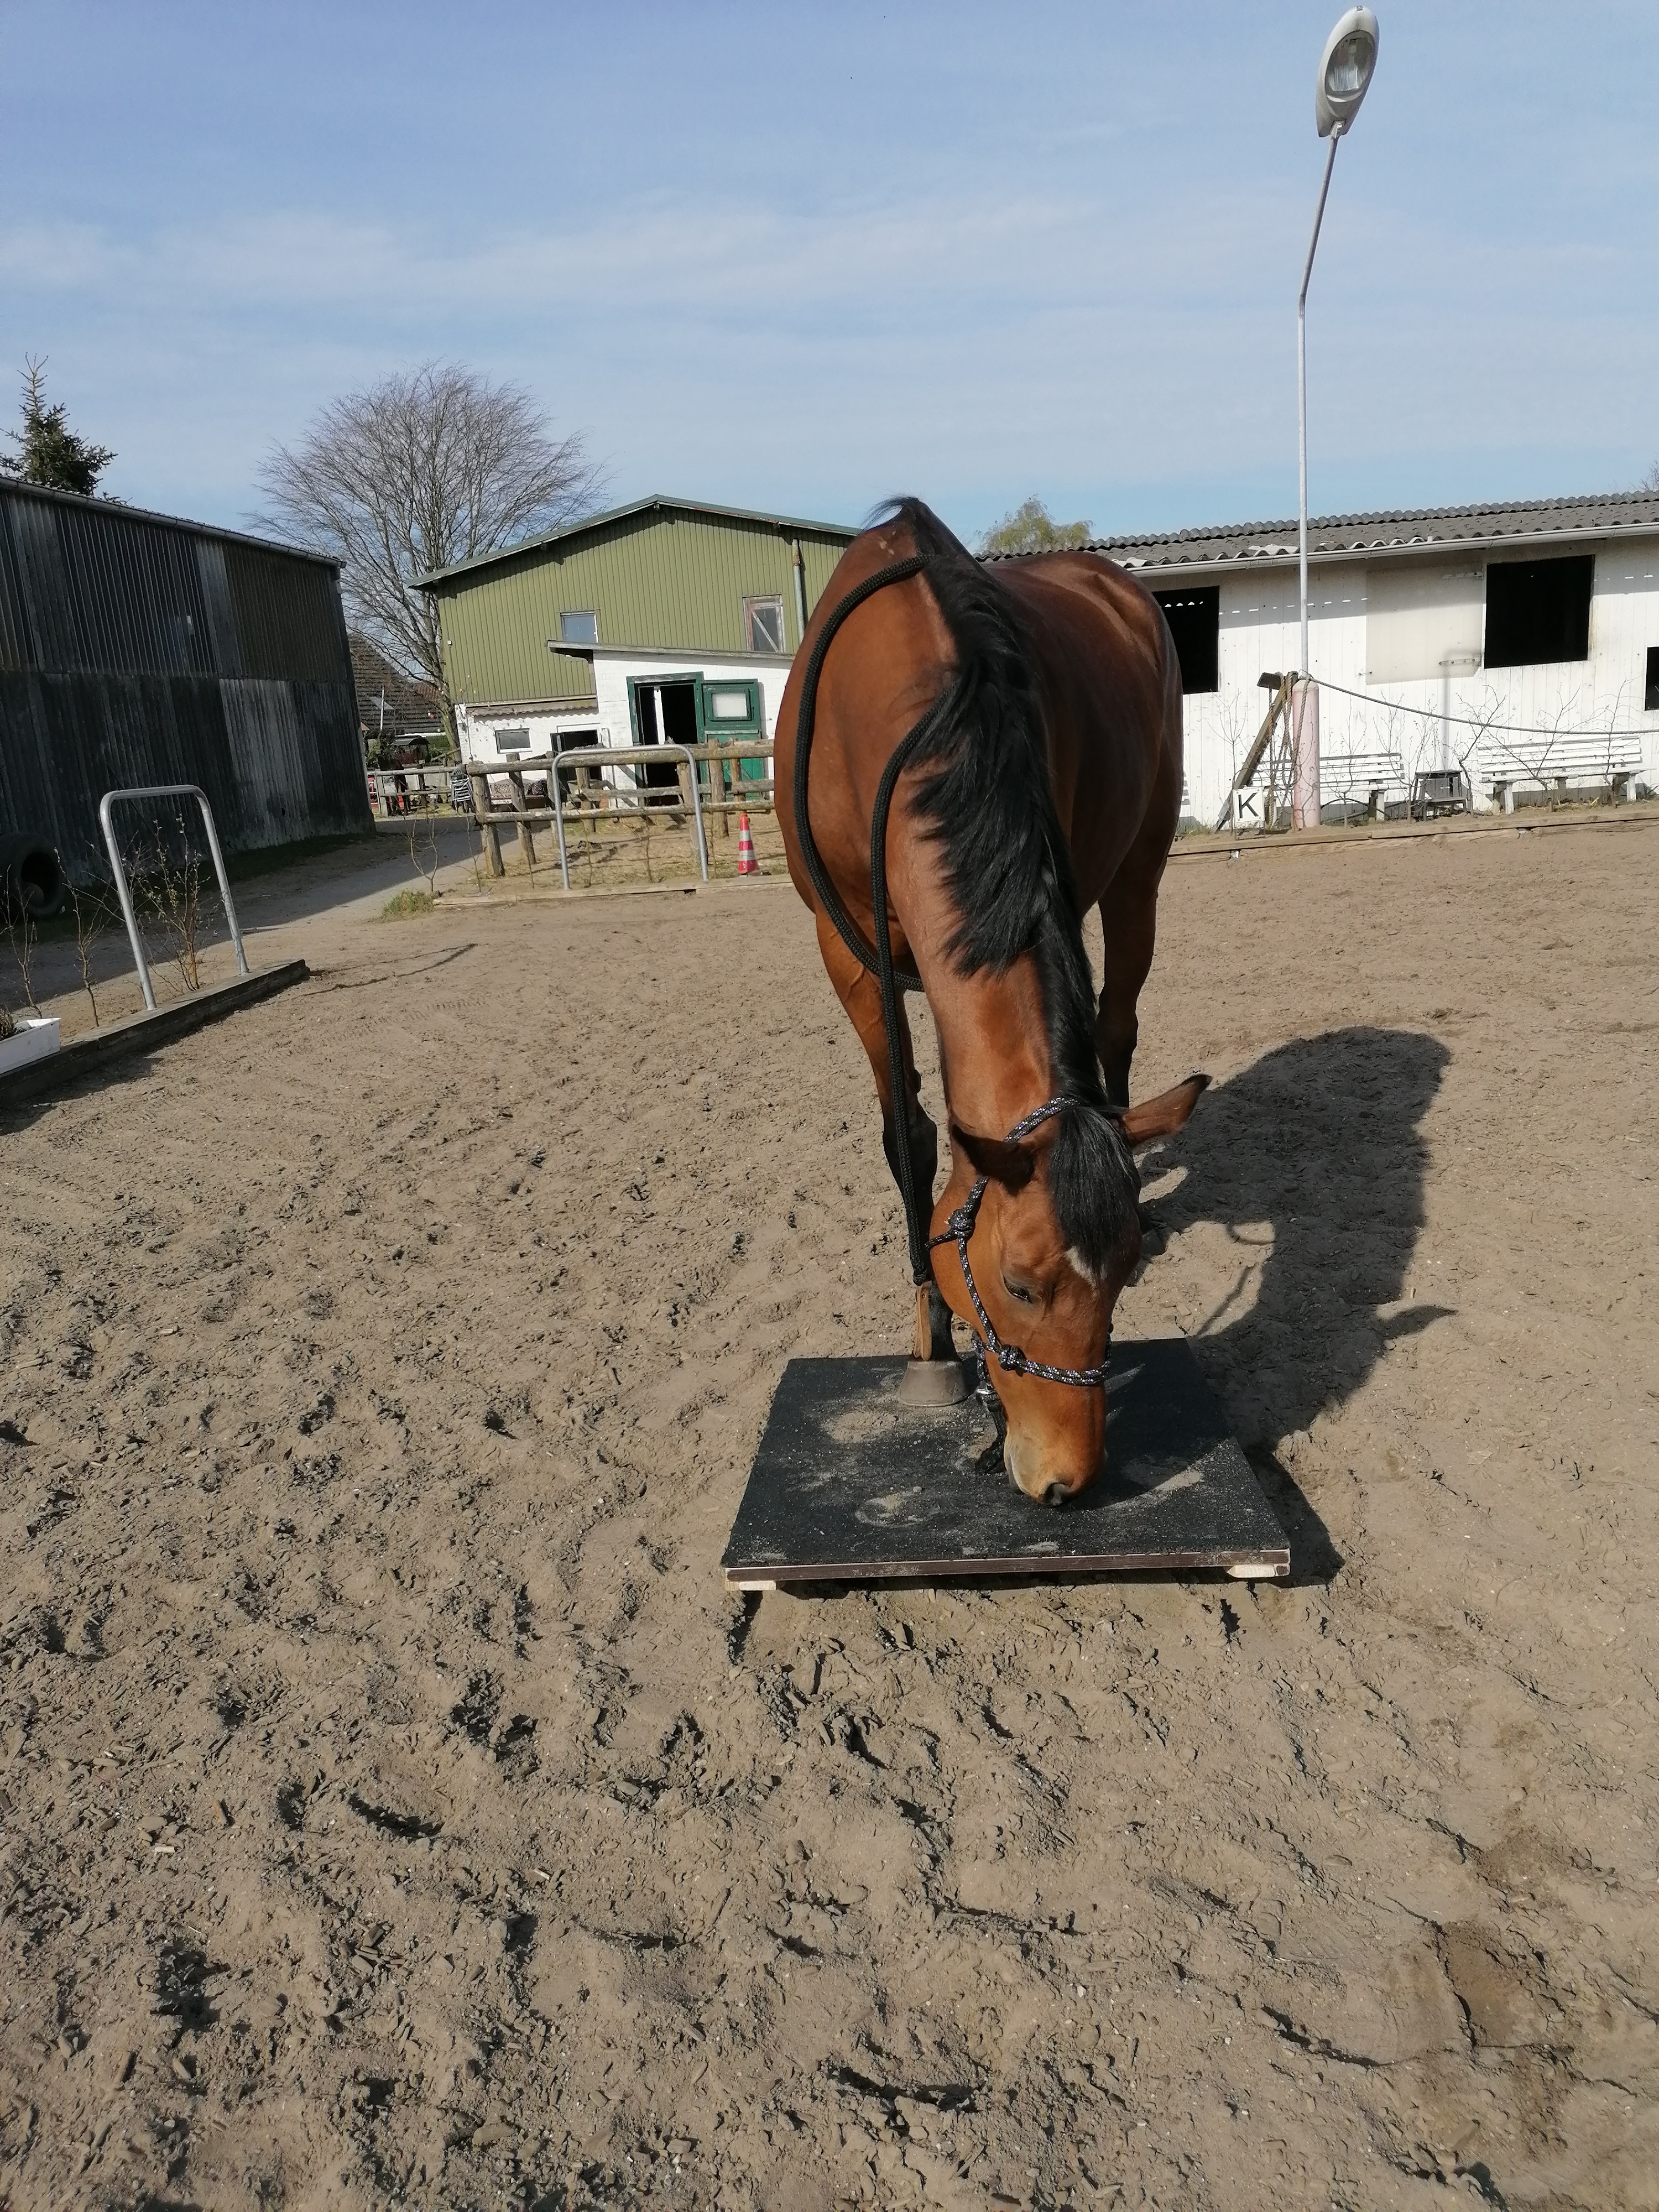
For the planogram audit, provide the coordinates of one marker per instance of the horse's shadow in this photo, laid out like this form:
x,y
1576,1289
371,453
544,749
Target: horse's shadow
x,y
1312,1161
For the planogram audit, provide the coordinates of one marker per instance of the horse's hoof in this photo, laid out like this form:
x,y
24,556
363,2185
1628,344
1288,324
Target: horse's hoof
x,y
1154,1238
933,1382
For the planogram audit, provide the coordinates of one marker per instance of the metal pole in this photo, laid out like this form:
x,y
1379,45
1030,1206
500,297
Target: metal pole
x,y
1301,392
224,882
125,898
558,816
799,567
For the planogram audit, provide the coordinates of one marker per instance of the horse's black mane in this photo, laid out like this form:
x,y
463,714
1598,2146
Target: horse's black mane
x,y
990,807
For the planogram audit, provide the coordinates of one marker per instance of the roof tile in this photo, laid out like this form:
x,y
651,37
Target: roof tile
x,y
1395,531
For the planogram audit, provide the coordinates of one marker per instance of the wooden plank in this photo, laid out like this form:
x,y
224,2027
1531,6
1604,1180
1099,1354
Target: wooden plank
x,y
142,1033
848,1486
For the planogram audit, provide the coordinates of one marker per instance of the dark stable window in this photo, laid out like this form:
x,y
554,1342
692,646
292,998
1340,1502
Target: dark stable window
x,y
1650,696
1538,610
1194,620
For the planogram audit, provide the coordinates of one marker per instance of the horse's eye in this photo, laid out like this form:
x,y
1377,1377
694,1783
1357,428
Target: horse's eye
x,y
1018,1290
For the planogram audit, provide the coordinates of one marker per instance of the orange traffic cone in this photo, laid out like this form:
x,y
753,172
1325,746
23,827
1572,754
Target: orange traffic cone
x,y
747,863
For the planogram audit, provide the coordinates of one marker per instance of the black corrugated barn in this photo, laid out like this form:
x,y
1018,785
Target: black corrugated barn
x,y
137,649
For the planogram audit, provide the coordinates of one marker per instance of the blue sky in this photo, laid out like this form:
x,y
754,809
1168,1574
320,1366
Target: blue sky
x,y
800,257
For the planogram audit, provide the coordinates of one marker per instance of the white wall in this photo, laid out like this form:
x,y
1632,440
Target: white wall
x,y
612,671
1423,612
480,733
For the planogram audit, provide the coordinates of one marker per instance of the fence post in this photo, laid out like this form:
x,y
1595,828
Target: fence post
x,y
1304,777
685,774
527,842
492,839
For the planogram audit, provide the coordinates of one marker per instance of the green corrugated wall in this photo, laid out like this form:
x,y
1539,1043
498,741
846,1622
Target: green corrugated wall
x,y
666,580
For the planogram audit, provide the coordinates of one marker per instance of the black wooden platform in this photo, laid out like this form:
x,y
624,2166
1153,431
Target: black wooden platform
x,y
850,1486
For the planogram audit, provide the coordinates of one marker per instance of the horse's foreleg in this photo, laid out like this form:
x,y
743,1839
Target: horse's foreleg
x,y
860,994
1128,921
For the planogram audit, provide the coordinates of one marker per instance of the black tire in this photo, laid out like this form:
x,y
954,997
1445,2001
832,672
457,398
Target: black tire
x,y
32,883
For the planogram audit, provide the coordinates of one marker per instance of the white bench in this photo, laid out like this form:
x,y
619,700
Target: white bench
x,y
1372,779
1577,761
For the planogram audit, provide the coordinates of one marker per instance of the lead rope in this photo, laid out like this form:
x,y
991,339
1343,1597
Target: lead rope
x,y
892,981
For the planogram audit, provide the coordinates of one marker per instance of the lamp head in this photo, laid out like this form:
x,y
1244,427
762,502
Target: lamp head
x,y
1344,70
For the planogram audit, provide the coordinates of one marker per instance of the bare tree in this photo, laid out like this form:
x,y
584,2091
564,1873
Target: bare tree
x,y
1650,481
422,470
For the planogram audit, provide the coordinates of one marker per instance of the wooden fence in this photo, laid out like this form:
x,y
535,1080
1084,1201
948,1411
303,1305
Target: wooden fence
x,y
591,796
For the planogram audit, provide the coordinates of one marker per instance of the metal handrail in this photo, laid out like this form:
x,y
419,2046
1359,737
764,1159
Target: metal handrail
x,y
165,791
593,756
586,756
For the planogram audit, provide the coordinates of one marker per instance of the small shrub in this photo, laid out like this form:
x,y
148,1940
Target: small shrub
x,y
403,904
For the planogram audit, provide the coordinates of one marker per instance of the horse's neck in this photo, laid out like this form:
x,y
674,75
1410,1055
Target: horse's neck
x,y
993,1031
994,1046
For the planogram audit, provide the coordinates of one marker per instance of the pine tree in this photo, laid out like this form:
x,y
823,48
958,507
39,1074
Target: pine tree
x,y
49,452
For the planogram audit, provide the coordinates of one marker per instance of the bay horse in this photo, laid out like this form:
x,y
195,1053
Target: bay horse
x,y
1035,710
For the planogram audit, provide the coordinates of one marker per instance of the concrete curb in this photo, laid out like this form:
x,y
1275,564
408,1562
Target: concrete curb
x,y
139,1033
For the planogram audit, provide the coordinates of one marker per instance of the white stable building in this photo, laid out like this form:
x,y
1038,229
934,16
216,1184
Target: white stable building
x,y
1519,644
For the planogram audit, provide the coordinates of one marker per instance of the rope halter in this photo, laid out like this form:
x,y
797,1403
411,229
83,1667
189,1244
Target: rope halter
x,y
959,1231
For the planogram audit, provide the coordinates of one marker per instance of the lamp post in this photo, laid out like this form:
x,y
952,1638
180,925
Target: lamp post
x,y
1346,67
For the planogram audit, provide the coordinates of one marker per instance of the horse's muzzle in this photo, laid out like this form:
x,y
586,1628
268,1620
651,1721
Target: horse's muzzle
x,y
1056,1494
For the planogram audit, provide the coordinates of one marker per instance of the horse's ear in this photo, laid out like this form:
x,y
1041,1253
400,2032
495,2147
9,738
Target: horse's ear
x,y
1163,1116
1012,1165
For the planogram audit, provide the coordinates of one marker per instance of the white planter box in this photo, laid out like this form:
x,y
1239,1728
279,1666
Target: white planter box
x,y
34,1041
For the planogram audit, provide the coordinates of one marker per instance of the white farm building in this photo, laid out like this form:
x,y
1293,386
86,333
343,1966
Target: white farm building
x,y
1519,644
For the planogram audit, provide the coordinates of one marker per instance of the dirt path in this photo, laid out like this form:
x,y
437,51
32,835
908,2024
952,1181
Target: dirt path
x,y
394,1806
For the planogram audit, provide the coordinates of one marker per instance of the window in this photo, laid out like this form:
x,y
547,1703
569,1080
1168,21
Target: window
x,y
1650,696
1194,620
762,625
731,708
581,626
512,741
1538,611
730,702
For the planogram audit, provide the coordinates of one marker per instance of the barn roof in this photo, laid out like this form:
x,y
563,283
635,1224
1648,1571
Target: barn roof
x,y
655,502
107,503
1514,525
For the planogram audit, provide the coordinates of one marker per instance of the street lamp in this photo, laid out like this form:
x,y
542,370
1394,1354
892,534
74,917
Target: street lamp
x,y
1345,68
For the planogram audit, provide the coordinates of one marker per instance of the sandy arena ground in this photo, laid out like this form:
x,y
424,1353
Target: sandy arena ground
x,y
395,1809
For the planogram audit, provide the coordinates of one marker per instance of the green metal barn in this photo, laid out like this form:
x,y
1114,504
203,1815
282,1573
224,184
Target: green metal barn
x,y
668,620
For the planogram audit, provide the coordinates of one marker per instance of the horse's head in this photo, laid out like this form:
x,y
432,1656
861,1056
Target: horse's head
x,y
1056,1236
